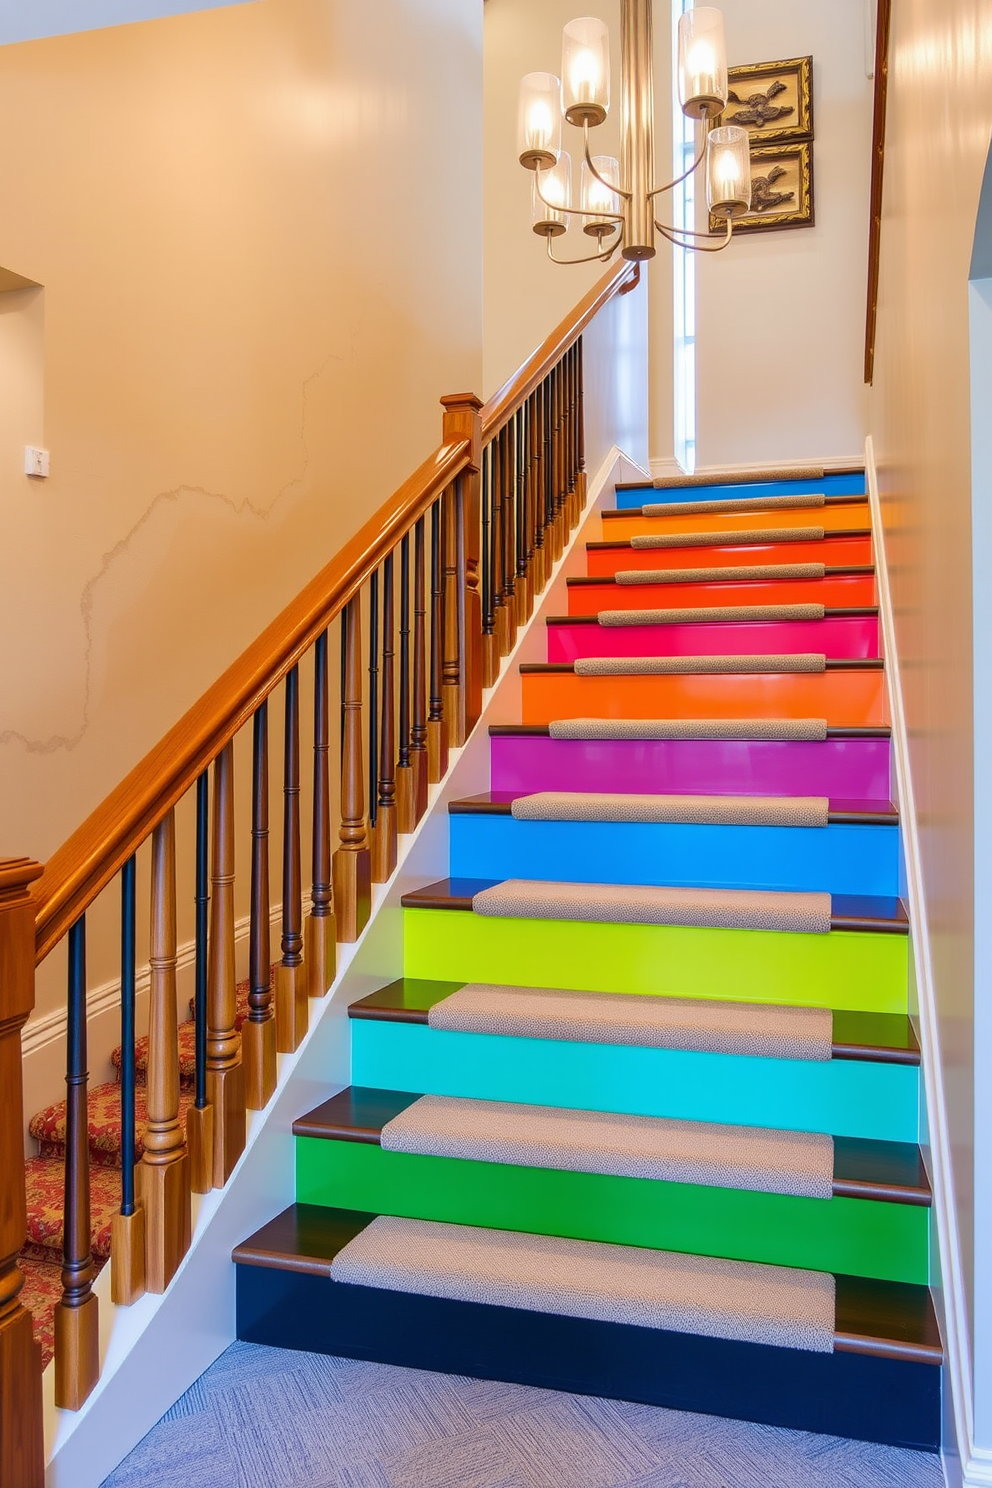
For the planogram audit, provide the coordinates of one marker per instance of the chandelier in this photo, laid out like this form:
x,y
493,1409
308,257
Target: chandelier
x,y
617,197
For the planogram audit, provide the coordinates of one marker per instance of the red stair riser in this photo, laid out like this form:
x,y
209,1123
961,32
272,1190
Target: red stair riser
x,y
844,591
852,638
835,552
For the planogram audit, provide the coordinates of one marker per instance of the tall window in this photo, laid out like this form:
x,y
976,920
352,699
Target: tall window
x,y
684,269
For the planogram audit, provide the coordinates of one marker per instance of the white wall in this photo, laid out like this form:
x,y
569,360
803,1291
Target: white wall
x,y
781,315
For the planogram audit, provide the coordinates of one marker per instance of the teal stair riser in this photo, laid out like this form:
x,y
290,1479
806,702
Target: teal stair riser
x,y
838,859
855,1236
848,1098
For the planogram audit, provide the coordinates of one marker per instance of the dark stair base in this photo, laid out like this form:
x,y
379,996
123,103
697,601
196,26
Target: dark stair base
x,y
892,1401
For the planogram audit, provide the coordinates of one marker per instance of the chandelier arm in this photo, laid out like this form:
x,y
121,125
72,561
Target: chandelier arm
x,y
577,211
604,255
658,190
617,190
680,242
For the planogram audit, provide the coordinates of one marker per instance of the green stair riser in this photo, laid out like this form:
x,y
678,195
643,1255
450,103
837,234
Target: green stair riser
x,y
849,1098
855,1236
845,970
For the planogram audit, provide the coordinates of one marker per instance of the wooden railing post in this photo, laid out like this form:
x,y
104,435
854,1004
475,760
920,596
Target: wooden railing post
x,y
461,421
22,1449
225,1072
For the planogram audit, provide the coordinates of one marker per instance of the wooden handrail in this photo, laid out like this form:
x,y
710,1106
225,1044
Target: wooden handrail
x,y
88,860
877,170
503,404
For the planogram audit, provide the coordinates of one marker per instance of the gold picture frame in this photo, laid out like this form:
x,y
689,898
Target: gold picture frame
x,y
781,189
773,101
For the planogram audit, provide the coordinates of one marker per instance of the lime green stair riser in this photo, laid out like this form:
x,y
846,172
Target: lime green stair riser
x,y
855,1236
847,970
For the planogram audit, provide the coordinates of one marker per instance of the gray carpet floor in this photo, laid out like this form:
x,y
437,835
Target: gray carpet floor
x,y
265,1418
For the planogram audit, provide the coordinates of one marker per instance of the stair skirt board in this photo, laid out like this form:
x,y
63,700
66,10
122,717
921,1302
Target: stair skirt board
x,y
835,591
862,1237
849,1098
836,550
849,768
844,698
850,638
862,972
862,1396
841,858
700,488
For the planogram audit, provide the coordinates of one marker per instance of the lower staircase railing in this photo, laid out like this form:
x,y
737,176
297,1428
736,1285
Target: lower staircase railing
x,y
427,598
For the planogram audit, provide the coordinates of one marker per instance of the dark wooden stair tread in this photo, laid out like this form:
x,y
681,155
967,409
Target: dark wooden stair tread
x,y
836,612
888,1319
498,803
861,912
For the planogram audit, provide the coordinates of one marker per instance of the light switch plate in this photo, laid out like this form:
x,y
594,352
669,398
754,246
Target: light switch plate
x,y
37,462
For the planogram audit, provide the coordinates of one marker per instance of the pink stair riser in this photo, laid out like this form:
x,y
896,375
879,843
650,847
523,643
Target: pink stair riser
x,y
856,636
844,769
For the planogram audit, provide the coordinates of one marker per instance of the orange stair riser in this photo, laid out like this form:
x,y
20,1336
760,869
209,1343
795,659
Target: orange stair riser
x,y
839,516
835,552
844,699
847,591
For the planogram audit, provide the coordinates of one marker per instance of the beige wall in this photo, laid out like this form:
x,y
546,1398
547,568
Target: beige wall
x,y
781,314
940,116
258,229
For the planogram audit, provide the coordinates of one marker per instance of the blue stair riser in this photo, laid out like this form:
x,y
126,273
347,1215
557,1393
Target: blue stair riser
x,y
849,1098
827,485
841,858
846,1394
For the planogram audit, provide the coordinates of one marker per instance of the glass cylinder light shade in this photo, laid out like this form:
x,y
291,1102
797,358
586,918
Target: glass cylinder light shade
x,y
728,171
599,198
585,71
539,120
702,63
555,186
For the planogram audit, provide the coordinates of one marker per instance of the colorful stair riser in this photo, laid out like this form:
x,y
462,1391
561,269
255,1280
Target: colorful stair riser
x,y
835,591
852,637
846,1097
839,859
836,516
848,484
835,551
843,698
857,769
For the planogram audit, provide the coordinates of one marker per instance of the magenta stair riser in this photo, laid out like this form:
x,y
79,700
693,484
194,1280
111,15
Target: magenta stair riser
x,y
854,637
844,769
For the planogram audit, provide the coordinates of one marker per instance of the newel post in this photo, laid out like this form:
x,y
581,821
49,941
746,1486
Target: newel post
x,y
22,1452
461,421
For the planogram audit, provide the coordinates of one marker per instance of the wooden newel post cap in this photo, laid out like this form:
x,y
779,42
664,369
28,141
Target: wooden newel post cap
x,y
16,874
461,421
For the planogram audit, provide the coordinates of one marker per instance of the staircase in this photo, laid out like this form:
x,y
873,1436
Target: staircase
x,y
641,1119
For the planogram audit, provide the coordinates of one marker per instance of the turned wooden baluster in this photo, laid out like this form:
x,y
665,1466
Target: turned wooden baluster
x,y
200,1116
437,729
418,725
373,712
573,427
77,1343
462,421
527,506
352,867
292,1009
405,804
384,836
321,931
163,1173
127,1227
22,1446
258,1035
501,609
509,537
490,649
225,1072
581,487
525,583
542,567
556,521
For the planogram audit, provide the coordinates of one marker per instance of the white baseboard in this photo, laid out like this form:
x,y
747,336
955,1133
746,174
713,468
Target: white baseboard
x,y
665,469
961,1462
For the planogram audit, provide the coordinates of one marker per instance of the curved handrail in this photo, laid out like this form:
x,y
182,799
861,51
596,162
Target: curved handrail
x,y
89,859
504,403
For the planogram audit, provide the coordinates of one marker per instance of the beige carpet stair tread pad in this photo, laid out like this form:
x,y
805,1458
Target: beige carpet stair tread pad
x,y
753,1030
739,477
721,575
718,539
731,811
742,1300
653,666
706,613
775,730
647,904
734,504
651,1147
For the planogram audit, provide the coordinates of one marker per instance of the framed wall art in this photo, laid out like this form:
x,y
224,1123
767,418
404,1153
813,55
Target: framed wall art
x,y
773,101
781,189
